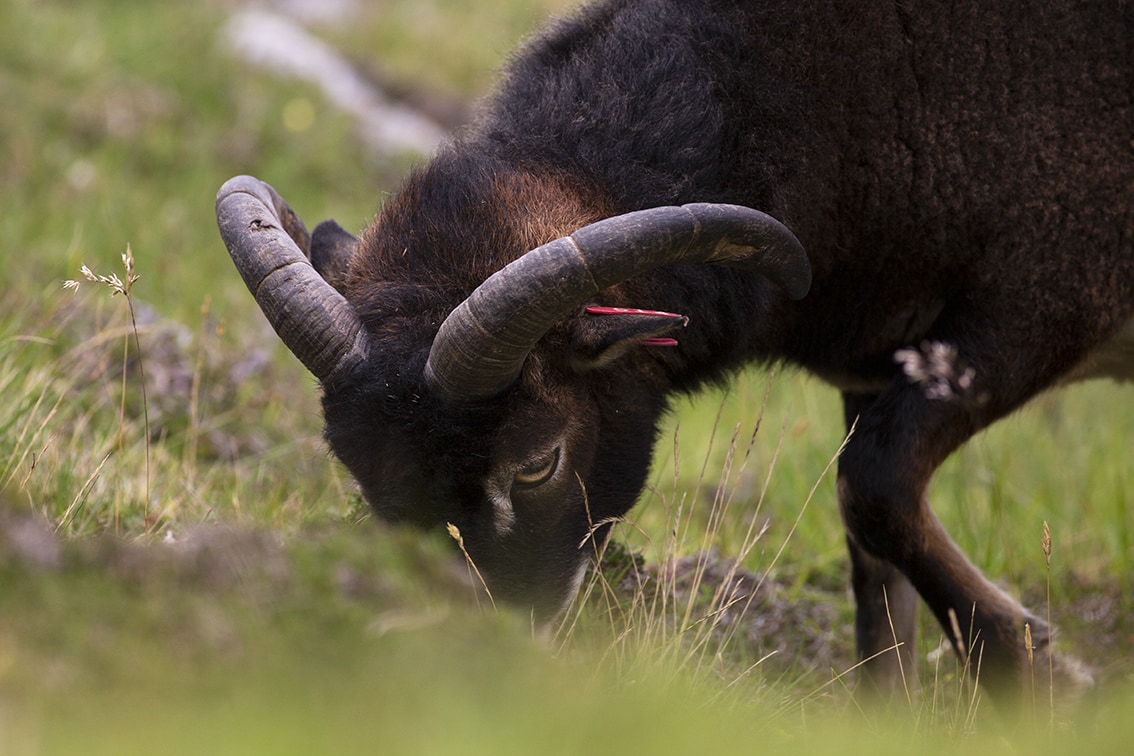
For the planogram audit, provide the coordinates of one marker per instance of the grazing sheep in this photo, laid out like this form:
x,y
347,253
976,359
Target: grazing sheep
x,y
497,349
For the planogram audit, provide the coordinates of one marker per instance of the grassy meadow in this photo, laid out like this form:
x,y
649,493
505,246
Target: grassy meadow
x,y
183,569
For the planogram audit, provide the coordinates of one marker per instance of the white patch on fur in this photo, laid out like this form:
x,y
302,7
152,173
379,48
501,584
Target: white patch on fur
x,y
546,629
577,581
503,515
938,369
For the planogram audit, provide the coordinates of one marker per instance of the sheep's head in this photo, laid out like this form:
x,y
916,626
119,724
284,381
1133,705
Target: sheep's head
x,y
509,413
530,478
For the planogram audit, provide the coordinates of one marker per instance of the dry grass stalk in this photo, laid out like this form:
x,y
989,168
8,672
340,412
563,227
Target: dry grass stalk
x,y
969,675
1046,544
119,286
1030,649
897,649
455,534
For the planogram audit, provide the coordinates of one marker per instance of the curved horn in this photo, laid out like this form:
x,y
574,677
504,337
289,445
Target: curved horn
x,y
264,238
482,345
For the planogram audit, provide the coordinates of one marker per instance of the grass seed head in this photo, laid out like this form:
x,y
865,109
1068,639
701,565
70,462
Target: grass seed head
x,y
113,282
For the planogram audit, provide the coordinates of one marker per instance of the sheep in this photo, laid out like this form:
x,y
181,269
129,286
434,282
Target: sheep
x,y
929,206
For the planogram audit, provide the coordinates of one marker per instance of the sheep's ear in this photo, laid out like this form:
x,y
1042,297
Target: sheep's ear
x,y
332,247
602,335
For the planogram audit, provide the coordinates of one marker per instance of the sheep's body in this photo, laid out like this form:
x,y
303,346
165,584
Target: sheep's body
x,y
962,178
917,155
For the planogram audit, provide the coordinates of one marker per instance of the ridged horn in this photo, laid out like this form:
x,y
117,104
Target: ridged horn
x,y
481,346
267,242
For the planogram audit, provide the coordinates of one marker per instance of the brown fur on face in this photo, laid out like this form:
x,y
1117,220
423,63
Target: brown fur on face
x,y
543,205
459,239
456,222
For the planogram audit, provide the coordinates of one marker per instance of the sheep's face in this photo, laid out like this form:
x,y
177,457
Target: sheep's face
x,y
530,479
530,475
484,360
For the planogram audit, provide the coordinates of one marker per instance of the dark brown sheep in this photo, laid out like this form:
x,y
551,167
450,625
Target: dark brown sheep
x,y
497,349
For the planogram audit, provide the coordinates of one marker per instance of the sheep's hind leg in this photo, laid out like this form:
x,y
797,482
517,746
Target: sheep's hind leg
x,y
900,439
886,607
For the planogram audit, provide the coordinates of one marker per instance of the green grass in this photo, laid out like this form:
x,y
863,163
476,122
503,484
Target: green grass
x,y
299,625
1062,459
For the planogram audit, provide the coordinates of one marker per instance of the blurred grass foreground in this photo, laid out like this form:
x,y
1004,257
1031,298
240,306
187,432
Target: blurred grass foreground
x,y
183,569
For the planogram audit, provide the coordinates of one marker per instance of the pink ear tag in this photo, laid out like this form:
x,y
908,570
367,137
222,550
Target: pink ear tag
x,y
656,341
597,310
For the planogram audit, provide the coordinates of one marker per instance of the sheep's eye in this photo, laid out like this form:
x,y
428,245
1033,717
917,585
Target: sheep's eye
x,y
538,471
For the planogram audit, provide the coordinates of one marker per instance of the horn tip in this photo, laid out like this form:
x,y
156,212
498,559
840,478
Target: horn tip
x,y
242,184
